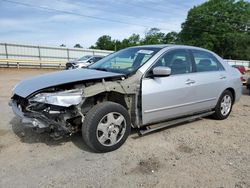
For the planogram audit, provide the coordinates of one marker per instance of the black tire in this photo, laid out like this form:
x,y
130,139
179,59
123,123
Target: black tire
x,y
218,114
92,119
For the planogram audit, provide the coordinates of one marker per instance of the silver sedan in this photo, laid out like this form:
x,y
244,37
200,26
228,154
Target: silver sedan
x,y
145,87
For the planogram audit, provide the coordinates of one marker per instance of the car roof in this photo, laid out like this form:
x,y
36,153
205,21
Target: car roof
x,y
98,56
169,46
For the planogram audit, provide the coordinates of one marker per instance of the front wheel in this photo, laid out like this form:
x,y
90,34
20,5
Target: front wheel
x,y
106,127
224,106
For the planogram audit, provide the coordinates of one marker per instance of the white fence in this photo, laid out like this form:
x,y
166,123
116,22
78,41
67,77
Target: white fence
x,y
20,54
246,64
15,55
31,52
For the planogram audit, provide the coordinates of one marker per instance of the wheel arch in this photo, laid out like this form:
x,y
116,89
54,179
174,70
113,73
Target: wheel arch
x,y
128,101
111,96
232,91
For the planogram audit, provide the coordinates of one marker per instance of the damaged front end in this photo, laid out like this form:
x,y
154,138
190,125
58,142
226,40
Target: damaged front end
x,y
58,102
58,112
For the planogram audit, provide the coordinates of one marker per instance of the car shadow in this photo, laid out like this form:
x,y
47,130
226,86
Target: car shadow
x,y
30,136
245,91
164,128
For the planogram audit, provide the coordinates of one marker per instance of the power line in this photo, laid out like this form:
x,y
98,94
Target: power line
x,y
142,6
146,7
155,9
92,17
108,11
176,8
103,10
77,14
94,7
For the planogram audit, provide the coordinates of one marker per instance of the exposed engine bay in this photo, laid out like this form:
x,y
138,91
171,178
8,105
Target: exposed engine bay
x,y
61,109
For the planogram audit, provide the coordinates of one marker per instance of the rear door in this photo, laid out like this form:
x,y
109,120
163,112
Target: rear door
x,y
172,96
210,79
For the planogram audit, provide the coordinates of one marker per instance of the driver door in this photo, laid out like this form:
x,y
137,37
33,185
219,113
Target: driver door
x,y
171,96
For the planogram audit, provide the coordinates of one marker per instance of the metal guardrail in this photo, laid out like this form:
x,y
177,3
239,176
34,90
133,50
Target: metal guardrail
x,y
19,63
45,53
14,63
22,55
32,56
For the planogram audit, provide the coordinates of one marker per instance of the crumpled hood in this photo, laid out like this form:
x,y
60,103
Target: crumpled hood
x,y
29,86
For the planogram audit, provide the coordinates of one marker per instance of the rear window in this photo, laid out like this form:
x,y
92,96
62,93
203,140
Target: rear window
x,y
206,61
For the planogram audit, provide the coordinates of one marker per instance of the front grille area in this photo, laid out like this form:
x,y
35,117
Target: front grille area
x,y
21,101
69,65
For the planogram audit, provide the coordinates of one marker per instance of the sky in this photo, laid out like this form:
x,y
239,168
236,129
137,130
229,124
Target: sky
x,y
55,22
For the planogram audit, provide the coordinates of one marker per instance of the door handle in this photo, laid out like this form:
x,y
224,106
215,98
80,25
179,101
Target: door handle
x,y
189,81
222,77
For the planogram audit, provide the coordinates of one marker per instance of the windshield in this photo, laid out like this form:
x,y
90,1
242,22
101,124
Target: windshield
x,y
125,61
86,57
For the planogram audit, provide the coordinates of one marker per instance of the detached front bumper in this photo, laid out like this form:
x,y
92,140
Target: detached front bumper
x,y
28,119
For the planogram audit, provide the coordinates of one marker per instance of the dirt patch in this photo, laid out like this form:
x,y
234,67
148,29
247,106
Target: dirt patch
x,y
205,153
147,166
1,148
3,132
241,184
246,105
184,149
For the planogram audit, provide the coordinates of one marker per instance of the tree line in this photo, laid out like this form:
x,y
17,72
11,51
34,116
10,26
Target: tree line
x,y
222,26
153,36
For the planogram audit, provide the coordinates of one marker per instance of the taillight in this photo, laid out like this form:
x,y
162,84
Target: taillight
x,y
242,79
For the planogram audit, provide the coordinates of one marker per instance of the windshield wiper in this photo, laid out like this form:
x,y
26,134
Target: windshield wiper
x,y
101,69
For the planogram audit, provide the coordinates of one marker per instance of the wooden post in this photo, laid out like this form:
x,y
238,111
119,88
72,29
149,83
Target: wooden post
x,y
68,54
39,53
6,51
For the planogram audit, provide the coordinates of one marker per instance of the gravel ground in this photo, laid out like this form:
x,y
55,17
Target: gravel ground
x,y
203,153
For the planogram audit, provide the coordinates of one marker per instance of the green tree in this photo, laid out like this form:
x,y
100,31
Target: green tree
x,y
77,46
117,45
153,36
105,43
171,38
133,40
222,26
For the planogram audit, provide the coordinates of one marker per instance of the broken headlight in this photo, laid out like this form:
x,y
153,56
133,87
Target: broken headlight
x,y
62,98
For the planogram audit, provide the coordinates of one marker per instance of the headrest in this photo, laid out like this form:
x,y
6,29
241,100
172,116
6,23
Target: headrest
x,y
205,62
178,62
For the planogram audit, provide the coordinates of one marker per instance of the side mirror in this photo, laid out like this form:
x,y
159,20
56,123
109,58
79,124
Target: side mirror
x,y
161,71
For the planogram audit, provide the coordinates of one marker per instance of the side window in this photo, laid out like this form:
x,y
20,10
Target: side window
x,y
206,61
98,58
178,60
92,59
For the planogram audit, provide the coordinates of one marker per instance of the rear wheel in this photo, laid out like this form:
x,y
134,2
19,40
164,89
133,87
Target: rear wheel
x,y
106,127
224,106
